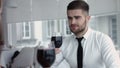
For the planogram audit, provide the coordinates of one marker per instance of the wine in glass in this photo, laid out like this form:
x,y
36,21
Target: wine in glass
x,y
46,55
57,38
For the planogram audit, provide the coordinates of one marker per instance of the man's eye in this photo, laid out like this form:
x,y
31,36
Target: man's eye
x,y
69,17
77,17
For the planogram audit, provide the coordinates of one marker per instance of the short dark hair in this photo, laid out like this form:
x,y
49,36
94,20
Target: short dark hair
x,y
78,4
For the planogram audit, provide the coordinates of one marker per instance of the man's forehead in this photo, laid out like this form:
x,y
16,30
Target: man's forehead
x,y
76,12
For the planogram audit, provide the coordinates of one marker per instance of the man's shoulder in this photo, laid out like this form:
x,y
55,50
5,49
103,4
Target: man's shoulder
x,y
100,35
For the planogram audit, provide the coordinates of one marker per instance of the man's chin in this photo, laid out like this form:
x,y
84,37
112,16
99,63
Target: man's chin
x,y
76,31
73,31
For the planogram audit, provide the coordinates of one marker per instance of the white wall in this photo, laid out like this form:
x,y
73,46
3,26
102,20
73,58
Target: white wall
x,y
38,30
118,29
27,10
49,9
118,22
18,11
103,24
102,7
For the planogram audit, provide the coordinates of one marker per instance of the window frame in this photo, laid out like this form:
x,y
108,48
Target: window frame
x,y
25,31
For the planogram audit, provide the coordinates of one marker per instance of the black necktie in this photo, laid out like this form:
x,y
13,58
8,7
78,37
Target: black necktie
x,y
80,53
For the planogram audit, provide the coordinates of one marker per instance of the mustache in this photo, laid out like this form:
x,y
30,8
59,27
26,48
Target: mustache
x,y
73,25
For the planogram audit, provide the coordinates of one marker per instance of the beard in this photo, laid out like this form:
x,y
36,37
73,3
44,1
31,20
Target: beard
x,y
80,30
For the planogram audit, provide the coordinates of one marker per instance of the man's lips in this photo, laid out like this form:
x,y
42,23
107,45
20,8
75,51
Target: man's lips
x,y
73,26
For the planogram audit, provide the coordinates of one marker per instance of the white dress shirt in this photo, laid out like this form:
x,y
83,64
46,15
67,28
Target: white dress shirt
x,y
98,51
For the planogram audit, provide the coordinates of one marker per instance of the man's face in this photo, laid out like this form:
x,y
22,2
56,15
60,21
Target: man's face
x,y
78,20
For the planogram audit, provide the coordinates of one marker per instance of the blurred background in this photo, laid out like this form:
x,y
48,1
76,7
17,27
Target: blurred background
x,y
26,23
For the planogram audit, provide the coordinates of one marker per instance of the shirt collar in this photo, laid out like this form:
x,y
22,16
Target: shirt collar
x,y
86,35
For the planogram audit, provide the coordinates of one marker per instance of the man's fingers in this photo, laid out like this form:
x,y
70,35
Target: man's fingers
x,y
57,50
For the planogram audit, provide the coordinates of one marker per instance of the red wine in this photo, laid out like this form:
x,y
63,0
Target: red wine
x,y
46,57
57,40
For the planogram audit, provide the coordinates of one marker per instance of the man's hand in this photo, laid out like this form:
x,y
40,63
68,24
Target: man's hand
x,y
57,50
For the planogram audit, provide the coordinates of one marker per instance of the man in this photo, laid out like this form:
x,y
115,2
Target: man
x,y
97,50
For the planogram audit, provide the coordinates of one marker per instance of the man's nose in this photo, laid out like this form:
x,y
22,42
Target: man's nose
x,y
73,21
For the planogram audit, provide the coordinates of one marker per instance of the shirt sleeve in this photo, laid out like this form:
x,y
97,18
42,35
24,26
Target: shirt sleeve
x,y
109,53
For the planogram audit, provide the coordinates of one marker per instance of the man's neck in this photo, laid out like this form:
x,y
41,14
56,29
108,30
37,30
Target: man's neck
x,y
82,33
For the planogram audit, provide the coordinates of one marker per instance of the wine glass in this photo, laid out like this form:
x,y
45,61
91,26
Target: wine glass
x,y
57,38
46,54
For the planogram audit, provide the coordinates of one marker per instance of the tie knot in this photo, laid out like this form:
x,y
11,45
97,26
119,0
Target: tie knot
x,y
79,39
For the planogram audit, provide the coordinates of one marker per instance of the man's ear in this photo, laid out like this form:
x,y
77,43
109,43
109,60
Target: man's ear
x,y
88,18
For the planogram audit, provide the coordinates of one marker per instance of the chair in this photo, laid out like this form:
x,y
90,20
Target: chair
x,y
24,59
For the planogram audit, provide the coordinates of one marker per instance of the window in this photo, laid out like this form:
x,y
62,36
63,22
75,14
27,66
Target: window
x,y
50,27
68,32
24,33
60,25
113,28
26,30
106,24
